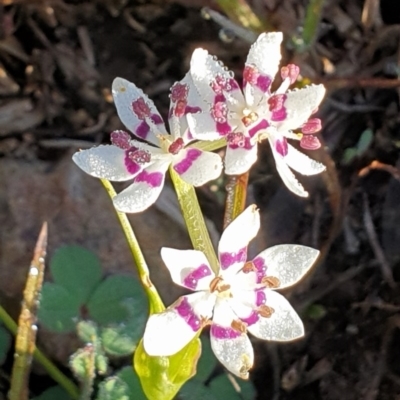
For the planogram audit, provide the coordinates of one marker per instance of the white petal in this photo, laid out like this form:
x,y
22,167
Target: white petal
x,y
232,248
202,126
188,268
168,332
145,189
283,325
285,173
299,105
197,167
288,262
106,162
233,349
239,160
265,53
125,93
302,163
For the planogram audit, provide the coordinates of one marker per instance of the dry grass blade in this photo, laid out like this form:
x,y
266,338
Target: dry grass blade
x,y
236,192
26,336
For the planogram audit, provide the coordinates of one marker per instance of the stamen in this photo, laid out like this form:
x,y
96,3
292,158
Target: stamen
x,y
236,139
120,139
249,267
141,108
139,156
271,281
179,91
214,284
249,119
176,146
219,112
265,311
290,71
239,326
310,142
251,74
313,125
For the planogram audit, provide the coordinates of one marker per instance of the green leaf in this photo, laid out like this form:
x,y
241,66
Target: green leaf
x,y
365,141
349,154
59,309
121,339
5,341
106,305
77,270
114,388
207,362
162,377
129,376
315,311
82,363
195,389
223,388
55,392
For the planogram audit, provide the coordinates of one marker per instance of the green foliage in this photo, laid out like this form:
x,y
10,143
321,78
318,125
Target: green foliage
x,y
360,148
315,311
224,389
53,393
5,341
78,290
207,362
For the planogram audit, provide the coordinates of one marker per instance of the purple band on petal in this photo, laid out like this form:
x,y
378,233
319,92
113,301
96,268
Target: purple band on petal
x,y
142,130
223,128
192,110
185,310
261,125
261,298
228,259
279,116
153,179
264,83
182,166
192,279
251,319
281,147
221,332
260,267
156,119
131,166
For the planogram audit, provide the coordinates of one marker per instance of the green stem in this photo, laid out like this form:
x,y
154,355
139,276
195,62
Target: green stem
x,y
311,21
51,369
194,219
236,192
156,304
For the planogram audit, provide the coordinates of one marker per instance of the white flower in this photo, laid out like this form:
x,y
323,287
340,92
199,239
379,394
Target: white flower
x,y
248,117
145,163
238,299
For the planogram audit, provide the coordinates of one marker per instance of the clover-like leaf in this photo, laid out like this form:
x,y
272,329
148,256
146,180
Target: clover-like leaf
x,y
59,309
55,392
223,388
207,361
195,389
113,388
77,270
129,376
106,305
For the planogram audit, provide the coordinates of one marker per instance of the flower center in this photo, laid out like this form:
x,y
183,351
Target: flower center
x,y
218,285
176,146
249,117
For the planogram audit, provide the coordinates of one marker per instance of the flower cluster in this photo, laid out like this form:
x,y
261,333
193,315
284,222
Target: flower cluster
x,y
207,105
239,298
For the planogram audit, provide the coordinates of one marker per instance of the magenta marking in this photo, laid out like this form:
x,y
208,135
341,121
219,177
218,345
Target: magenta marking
x,y
251,319
281,146
153,179
139,156
223,128
156,119
290,71
131,166
250,74
191,156
180,108
221,332
310,142
261,125
185,310
192,279
228,259
261,298
261,268
142,130
192,110
120,139
264,83
179,91
279,116
237,140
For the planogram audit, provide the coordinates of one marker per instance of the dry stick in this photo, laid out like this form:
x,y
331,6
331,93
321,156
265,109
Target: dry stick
x,y
236,191
381,166
26,336
376,247
340,83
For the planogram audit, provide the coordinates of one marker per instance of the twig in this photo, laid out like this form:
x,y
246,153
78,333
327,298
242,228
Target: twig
x,y
376,247
383,167
236,191
341,83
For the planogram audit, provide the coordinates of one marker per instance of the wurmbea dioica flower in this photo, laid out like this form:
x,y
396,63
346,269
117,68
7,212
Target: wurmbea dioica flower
x,y
146,163
248,117
239,298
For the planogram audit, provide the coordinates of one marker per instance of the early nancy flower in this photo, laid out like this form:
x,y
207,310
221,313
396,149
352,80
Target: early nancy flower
x,y
247,117
241,297
146,163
